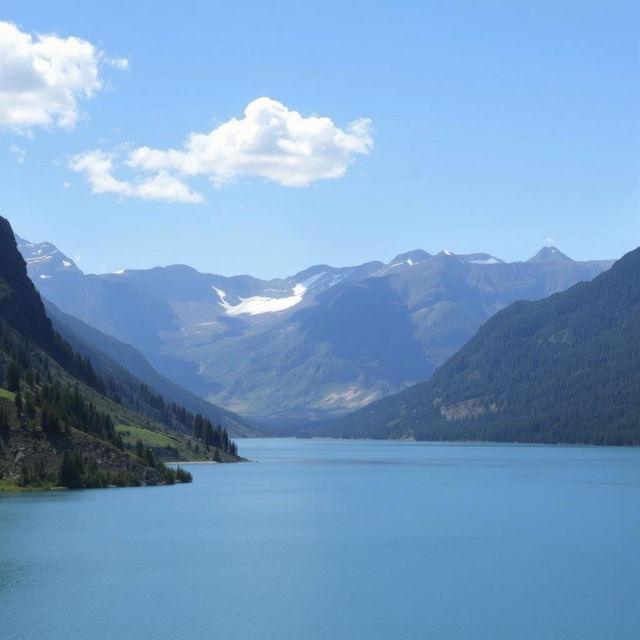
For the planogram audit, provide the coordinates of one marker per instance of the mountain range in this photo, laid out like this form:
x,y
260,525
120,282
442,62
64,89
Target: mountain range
x,y
317,344
560,370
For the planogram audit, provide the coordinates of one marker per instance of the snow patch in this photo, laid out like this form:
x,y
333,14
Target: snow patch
x,y
66,263
410,262
487,261
310,281
44,277
352,397
44,258
119,272
256,305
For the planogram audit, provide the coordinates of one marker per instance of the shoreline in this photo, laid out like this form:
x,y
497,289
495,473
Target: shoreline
x,y
183,463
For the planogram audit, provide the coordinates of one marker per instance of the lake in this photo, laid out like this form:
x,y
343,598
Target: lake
x,y
334,540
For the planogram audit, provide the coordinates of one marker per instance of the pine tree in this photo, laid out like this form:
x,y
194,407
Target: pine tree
x,y
71,470
18,402
29,406
12,378
208,434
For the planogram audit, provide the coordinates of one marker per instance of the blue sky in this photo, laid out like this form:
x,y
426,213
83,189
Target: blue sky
x,y
495,126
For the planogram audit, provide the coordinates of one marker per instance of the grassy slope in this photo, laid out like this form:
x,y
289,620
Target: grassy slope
x,y
167,445
7,395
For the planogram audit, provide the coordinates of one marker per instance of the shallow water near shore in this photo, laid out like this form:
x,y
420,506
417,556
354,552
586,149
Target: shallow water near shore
x,y
337,540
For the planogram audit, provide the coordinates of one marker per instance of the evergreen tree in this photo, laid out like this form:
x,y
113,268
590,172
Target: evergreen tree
x,y
208,434
18,402
71,470
29,406
12,378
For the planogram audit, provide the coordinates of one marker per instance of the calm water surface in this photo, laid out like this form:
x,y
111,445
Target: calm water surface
x,y
337,540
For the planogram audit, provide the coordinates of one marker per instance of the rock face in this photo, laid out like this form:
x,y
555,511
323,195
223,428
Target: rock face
x,y
20,303
316,344
565,369
38,452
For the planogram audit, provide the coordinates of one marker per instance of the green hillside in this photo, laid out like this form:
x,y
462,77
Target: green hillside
x,y
565,369
59,417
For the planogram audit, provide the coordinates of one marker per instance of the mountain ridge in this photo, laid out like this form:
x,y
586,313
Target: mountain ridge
x,y
559,370
112,357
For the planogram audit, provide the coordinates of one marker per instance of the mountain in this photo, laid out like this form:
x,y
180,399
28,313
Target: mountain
x,y
319,343
117,360
61,422
565,369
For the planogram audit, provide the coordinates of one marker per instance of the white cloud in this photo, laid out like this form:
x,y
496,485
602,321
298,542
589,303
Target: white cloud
x,y
270,141
97,165
19,153
44,77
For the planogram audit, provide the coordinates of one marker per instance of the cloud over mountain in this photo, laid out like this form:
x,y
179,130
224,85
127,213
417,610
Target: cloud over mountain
x,y
270,141
44,77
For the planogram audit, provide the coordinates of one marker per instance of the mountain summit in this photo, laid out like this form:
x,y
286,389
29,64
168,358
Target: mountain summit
x,y
550,253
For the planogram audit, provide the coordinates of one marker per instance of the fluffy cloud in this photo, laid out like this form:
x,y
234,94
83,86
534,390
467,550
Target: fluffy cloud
x,y
97,165
270,141
43,78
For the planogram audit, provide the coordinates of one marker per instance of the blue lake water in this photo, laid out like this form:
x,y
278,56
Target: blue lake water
x,y
337,540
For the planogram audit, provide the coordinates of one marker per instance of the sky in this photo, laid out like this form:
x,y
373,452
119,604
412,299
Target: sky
x,y
263,137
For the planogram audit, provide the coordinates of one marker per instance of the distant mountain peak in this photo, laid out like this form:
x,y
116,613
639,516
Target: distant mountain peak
x,y
481,258
45,258
549,253
410,258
